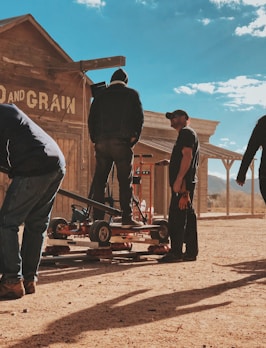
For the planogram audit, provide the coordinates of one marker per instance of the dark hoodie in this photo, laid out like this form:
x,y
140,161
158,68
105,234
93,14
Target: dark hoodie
x,y
25,148
257,140
116,113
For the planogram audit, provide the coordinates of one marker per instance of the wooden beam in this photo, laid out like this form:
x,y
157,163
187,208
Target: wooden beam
x,y
93,64
20,67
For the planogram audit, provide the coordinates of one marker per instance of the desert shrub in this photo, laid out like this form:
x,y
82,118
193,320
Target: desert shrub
x,y
238,201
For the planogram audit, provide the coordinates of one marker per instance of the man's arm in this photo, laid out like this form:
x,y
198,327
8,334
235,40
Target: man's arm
x,y
138,114
184,167
252,147
91,121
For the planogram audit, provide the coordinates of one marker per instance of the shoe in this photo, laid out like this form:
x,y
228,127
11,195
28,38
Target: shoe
x,y
131,223
30,286
12,291
189,258
170,258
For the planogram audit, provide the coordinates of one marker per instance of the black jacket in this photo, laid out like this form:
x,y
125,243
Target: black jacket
x,y
25,149
257,140
116,113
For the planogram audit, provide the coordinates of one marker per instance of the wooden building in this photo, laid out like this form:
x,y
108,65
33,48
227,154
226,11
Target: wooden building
x,y
156,143
158,138
42,80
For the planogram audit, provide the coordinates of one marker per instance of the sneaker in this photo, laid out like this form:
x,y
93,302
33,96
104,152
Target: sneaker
x,y
169,258
189,258
131,223
30,286
12,291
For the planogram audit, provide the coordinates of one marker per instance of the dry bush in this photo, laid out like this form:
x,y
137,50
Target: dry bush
x,y
239,202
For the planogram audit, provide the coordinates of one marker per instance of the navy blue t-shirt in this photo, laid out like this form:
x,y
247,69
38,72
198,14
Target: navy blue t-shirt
x,y
187,137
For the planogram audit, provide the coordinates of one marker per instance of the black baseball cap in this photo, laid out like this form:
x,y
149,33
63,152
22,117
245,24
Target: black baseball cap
x,y
176,113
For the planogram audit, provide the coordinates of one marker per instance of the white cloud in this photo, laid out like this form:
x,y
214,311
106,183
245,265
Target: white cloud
x,y
240,92
185,90
227,18
225,143
150,3
193,88
204,87
256,28
256,3
91,3
220,3
233,3
205,21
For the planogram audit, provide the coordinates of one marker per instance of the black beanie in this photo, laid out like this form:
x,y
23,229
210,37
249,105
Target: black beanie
x,y
119,75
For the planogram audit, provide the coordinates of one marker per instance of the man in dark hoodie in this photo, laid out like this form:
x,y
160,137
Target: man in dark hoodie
x,y
257,140
36,167
115,124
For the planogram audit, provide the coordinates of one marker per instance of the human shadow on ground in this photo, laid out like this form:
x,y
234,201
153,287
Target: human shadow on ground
x,y
122,311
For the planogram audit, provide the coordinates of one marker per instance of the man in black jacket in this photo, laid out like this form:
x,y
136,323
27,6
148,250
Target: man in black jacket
x,y
257,140
115,123
36,167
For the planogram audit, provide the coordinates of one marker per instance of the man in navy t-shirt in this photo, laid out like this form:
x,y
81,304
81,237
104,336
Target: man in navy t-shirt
x,y
182,222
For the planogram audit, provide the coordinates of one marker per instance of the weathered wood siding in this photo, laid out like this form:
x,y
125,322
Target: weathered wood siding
x,y
55,99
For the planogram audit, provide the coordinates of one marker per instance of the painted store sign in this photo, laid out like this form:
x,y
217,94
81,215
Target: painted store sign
x,y
39,100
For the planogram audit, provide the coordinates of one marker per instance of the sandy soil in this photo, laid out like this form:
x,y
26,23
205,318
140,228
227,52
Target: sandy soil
x,y
217,301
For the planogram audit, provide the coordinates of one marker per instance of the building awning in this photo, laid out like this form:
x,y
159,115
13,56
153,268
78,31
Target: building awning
x,y
207,150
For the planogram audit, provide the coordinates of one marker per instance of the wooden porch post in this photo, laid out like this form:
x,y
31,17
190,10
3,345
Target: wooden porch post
x,y
228,164
252,187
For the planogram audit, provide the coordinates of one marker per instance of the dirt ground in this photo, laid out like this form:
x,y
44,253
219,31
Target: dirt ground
x,y
217,301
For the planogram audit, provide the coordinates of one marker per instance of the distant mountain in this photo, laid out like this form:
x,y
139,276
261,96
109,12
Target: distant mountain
x,y
218,185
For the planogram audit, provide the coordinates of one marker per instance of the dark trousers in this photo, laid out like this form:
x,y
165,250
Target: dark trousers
x,y
262,182
109,152
182,227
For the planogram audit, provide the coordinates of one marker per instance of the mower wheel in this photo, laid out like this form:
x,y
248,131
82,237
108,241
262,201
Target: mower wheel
x,y
54,228
100,232
162,234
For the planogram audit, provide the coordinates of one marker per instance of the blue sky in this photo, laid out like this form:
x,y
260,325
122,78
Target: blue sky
x,y
204,56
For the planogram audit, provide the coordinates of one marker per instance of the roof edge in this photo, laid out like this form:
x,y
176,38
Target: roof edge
x,y
9,23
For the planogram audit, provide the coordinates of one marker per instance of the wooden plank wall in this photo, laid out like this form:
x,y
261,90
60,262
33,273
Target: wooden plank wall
x,y
56,100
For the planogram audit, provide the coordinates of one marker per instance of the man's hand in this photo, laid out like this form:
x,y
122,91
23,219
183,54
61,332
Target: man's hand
x,y
184,201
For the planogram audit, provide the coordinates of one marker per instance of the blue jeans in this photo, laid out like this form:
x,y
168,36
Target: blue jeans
x,y
28,200
109,152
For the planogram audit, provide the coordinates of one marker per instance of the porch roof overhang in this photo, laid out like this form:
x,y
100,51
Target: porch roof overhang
x,y
207,150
